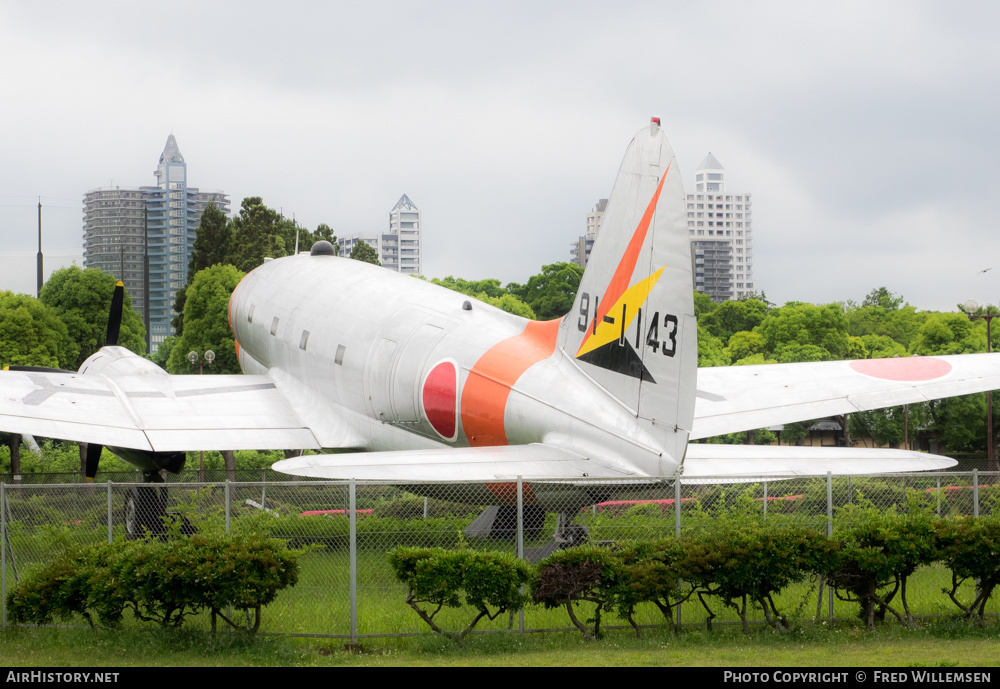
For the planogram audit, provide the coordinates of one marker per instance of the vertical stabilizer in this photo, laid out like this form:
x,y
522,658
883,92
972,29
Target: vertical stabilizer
x,y
632,327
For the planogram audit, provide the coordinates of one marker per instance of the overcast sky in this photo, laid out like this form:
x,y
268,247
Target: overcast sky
x,y
867,132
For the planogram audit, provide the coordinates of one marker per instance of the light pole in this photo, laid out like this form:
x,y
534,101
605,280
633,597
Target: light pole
x,y
971,307
193,358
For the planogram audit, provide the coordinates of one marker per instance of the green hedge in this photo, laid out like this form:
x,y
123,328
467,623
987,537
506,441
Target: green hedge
x,y
158,581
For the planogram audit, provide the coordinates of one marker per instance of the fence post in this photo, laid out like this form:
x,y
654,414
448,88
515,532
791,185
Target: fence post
x,y
975,492
353,521
111,531
520,543
765,500
677,530
677,507
939,497
227,505
829,530
3,554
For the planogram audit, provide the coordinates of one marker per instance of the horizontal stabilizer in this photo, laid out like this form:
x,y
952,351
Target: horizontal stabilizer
x,y
705,463
504,463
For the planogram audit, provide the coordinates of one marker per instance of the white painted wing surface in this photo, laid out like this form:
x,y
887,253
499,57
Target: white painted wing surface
x,y
706,463
504,463
740,398
160,413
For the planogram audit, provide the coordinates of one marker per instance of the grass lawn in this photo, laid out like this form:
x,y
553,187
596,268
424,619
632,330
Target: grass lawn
x,y
942,644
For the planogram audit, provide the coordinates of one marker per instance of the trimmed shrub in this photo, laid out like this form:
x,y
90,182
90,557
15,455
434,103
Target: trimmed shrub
x,y
970,548
743,560
159,581
874,553
450,578
586,574
650,573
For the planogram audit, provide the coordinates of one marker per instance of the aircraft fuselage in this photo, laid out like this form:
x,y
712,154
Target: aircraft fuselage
x,y
411,365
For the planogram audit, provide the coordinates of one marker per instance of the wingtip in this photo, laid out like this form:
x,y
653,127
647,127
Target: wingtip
x,y
119,284
90,479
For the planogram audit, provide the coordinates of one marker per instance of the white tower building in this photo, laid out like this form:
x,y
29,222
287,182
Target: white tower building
x,y
579,251
720,228
399,248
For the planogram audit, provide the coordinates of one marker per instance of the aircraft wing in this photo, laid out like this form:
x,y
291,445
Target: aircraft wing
x,y
158,412
740,398
502,463
706,463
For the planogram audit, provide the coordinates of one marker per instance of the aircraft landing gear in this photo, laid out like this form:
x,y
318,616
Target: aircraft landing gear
x,y
145,508
567,535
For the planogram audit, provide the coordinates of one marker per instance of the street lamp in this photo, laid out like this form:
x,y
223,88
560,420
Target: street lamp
x,y
971,307
193,359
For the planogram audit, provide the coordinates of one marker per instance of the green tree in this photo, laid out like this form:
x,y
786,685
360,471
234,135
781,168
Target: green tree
x,y
206,322
162,354
793,352
324,232
745,344
882,298
882,347
703,304
886,427
82,299
257,232
490,287
508,303
213,244
31,334
731,317
177,322
488,291
710,350
950,333
883,313
363,251
550,294
795,323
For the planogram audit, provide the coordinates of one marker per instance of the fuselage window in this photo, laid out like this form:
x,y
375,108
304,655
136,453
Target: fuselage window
x,y
250,314
304,340
339,359
274,326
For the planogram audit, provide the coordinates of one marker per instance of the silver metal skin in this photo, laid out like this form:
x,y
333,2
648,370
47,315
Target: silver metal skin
x,y
421,384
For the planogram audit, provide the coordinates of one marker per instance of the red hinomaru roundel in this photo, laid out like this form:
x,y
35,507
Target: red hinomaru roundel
x,y
903,368
439,398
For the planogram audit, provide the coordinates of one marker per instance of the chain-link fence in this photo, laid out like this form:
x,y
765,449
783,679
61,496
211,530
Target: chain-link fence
x,y
347,589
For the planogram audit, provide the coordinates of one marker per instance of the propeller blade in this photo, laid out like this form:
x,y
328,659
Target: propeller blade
x,y
93,458
115,315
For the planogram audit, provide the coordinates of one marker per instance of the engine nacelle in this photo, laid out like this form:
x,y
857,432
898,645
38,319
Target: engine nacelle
x,y
118,361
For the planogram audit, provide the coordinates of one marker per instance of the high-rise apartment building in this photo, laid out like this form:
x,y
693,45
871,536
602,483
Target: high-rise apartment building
x,y
579,251
720,229
398,248
115,236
